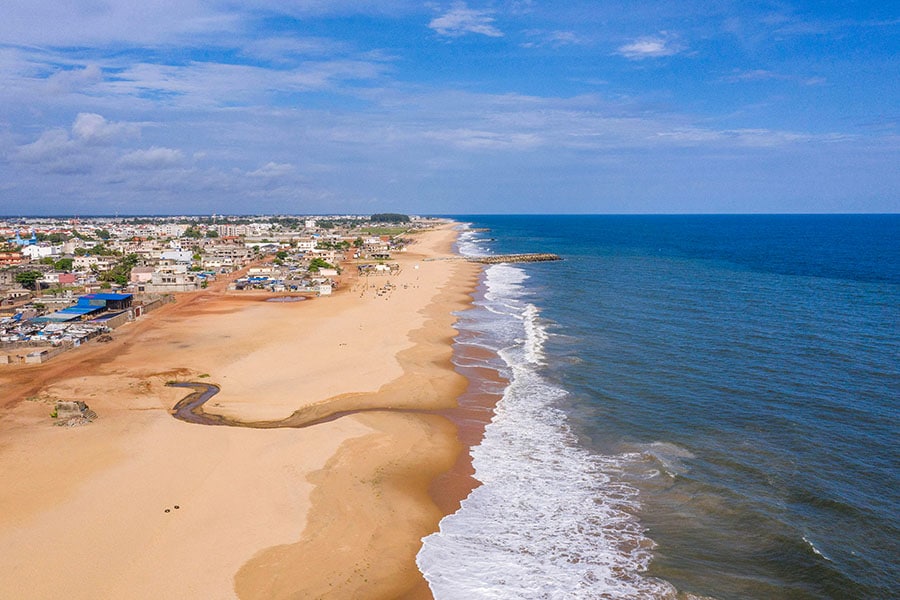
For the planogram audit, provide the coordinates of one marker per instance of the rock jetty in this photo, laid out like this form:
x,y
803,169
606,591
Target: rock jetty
x,y
513,258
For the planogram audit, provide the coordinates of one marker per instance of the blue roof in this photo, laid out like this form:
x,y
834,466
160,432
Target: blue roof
x,y
107,296
56,317
79,310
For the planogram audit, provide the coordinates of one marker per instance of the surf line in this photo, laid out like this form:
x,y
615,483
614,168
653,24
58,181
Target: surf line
x,y
190,410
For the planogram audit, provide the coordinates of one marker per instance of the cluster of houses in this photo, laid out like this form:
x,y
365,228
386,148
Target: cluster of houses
x,y
169,257
33,338
65,281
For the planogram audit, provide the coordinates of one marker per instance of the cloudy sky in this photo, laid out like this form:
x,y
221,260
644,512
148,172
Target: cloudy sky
x,y
322,106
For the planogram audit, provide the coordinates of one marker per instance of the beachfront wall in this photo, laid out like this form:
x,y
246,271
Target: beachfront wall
x,y
151,305
115,321
43,355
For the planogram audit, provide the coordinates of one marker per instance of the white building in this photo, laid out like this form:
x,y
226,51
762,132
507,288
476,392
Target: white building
x,y
306,245
172,230
171,278
84,263
39,251
179,256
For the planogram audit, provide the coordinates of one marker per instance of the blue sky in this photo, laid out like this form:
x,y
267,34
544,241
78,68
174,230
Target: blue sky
x,y
316,106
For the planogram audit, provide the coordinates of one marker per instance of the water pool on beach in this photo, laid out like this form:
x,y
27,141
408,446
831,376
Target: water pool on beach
x,y
700,404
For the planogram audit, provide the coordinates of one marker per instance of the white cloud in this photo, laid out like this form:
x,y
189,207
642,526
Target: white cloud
x,y
461,19
210,84
81,23
272,170
744,138
93,128
282,49
74,79
55,152
650,47
474,139
51,145
324,74
77,151
152,159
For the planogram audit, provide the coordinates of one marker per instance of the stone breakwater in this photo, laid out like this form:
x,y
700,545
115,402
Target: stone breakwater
x,y
513,258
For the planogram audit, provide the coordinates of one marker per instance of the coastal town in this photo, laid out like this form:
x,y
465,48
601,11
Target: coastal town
x,y
65,281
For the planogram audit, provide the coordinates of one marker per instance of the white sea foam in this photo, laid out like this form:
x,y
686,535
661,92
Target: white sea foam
x,y
816,550
550,520
535,335
670,456
468,243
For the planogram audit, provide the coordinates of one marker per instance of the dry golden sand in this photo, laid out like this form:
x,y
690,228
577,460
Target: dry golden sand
x,y
335,510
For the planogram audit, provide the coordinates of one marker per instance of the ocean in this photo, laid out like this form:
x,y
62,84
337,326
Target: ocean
x,y
696,407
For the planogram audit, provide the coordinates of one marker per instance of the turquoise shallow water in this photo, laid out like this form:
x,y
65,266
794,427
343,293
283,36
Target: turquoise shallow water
x,y
702,405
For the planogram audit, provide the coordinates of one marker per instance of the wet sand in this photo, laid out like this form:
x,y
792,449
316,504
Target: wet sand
x,y
332,510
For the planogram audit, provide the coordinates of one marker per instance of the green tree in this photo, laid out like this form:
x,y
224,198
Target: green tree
x,y
121,273
319,263
389,218
53,238
103,234
29,279
63,264
102,250
212,233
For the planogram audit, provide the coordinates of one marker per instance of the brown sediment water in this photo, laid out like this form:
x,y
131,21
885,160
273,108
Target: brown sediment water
x,y
190,410
473,413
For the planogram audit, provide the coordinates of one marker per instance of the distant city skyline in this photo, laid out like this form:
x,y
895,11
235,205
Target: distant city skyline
x,y
199,106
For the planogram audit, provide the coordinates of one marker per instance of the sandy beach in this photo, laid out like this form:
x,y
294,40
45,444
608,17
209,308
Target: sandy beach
x,y
141,505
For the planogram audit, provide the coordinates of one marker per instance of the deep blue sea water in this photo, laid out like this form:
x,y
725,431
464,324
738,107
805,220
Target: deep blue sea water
x,y
698,406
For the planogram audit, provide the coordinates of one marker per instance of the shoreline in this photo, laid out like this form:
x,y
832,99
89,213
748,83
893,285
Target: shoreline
x,y
473,412
75,482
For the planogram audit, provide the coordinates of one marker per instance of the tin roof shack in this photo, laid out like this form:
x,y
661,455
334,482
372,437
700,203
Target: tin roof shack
x,y
88,306
108,300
